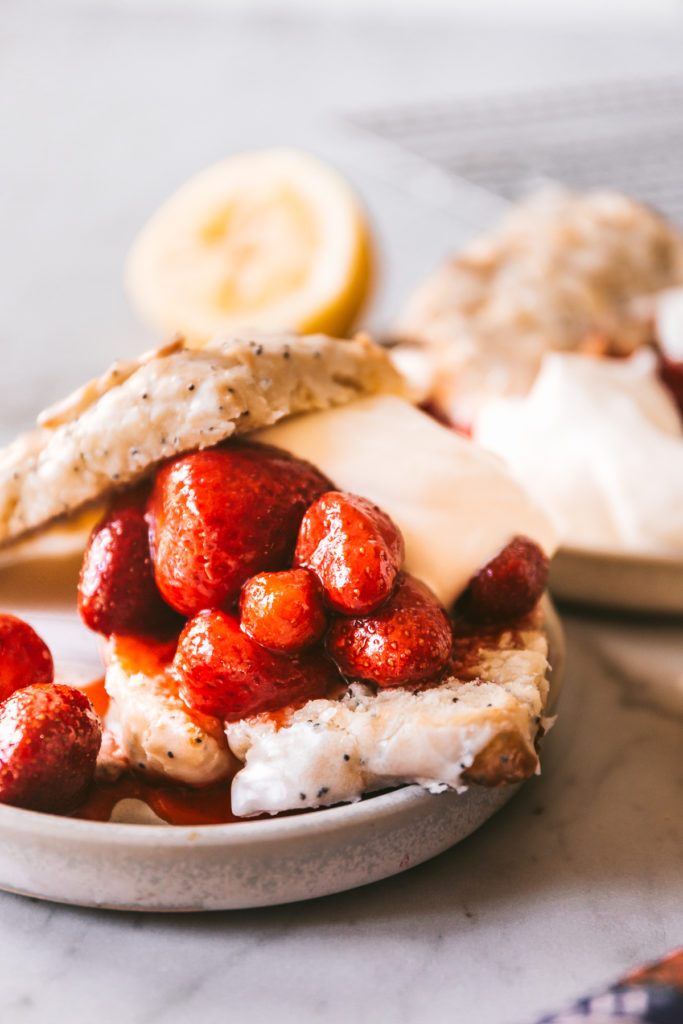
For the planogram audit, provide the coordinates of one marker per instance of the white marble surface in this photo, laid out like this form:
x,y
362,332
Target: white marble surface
x,y
103,109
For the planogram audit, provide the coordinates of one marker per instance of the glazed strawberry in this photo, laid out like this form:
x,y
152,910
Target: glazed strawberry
x,y
407,641
508,586
225,673
24,657
49,740
223,515
355,550
283,610
116,589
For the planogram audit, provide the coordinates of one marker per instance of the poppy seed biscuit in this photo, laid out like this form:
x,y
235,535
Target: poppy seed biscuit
x,y
114,429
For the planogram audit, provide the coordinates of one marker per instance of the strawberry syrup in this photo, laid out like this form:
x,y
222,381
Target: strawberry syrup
x,y
176,804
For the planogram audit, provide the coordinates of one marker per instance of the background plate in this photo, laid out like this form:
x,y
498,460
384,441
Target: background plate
x,y
628,582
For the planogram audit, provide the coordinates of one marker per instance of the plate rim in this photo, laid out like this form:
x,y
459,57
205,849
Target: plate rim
x,y
635,558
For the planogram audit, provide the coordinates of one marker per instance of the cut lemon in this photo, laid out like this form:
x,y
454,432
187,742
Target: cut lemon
x,y
273,239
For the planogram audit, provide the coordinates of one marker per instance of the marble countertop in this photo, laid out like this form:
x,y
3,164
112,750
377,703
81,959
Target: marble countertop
x,y
103,110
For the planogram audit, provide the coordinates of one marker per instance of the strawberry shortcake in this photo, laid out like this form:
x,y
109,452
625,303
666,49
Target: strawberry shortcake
x,y
306,589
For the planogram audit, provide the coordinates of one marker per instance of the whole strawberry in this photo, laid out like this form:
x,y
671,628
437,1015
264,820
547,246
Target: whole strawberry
x,y
283,610
225,673
222,515
354,548
508,586
24,657
49,740
406,642
117,592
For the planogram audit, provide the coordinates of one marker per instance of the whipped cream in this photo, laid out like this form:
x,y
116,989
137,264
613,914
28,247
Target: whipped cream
x,y
598,443
456,505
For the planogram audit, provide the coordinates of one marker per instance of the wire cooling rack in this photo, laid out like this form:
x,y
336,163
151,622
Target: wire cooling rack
x,y
626,135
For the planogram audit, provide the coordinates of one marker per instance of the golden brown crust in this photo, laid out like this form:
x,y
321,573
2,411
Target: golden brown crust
x,y
507,758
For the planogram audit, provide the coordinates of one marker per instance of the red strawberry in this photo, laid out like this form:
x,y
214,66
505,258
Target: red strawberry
x,y
24,657
225,673
283,610
407,641
355,550
116,589
222,515
49,740
508,586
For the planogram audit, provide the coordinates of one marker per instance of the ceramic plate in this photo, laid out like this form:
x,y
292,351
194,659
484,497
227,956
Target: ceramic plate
x,y
618,580
212,867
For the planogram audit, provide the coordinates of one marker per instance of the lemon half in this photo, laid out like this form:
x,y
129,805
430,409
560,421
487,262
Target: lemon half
x,y
272,239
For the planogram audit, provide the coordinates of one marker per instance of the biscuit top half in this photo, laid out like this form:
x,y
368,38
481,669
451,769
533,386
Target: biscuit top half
x,y
116,428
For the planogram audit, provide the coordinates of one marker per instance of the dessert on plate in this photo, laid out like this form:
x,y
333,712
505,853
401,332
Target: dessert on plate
x,y
555,340
306,589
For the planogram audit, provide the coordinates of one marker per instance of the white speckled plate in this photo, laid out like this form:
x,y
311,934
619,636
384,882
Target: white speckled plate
x,y
212,867
249,864
618,580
